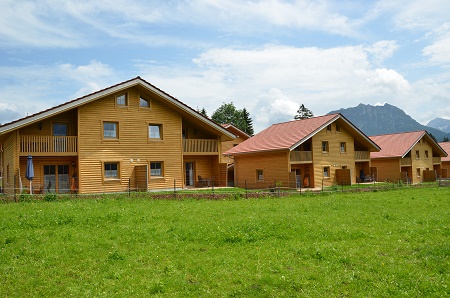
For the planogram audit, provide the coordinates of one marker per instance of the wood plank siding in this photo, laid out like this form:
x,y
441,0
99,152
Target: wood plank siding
x,y
333,158
132,146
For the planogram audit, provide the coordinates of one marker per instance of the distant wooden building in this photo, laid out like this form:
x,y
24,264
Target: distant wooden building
x,y
445,161
128,136
318,151
411,157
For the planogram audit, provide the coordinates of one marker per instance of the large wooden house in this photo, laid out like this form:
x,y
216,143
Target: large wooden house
x,y
411,157
445,161
129,136
318,151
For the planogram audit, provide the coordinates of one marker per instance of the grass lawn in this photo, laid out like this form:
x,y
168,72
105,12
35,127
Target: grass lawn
x,y
371,244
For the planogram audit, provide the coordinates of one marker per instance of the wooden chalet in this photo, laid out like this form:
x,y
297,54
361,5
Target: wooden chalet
x,y
445,161
411,157
317,151
128,136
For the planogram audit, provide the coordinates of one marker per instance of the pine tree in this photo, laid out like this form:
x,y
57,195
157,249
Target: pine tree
x,y
248,122
303,113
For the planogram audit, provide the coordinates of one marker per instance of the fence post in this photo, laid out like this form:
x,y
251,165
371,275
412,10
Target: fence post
x,y
129,187
245,184
14,188
174,190
322,185
212,187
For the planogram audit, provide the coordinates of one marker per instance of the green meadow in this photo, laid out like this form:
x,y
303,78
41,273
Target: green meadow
x,y
392,243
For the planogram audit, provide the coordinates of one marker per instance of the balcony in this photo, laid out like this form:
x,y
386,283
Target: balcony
x,y
362,155
200,147
437,160
48,146
405,161
300,157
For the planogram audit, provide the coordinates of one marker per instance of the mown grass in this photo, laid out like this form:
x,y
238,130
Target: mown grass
x,y
392,243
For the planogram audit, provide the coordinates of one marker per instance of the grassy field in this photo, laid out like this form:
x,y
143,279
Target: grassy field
x,y
384,243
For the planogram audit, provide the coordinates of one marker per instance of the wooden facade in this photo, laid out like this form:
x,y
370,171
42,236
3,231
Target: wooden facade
x,y
420,162
73,149
307,163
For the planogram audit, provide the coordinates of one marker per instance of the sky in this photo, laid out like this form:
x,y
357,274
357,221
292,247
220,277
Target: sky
x,y
267,56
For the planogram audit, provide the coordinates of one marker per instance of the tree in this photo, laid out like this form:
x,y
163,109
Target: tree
x,y
248,122
303,113
227,113
202,111
445,139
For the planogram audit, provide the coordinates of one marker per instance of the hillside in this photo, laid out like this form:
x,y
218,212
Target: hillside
x,y
376,120
441,124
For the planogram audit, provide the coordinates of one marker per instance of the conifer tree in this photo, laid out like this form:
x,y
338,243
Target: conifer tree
x,y
303,113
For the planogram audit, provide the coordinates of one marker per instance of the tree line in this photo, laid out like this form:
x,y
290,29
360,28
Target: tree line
x,y
227,113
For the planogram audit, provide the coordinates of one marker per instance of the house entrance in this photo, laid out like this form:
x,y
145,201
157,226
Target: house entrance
x,y
56,179
189,176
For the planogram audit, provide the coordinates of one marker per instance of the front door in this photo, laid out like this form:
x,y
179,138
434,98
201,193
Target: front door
x,y
56,179
190,178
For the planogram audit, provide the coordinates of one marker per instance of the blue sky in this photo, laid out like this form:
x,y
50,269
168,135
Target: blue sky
x,y
267,56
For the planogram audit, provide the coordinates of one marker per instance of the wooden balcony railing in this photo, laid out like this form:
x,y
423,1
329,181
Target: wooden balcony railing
x,y
436,160
362,155
200,146
301,156
48,145
405,161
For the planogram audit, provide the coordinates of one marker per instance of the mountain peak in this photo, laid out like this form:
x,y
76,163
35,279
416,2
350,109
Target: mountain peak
x,y
384,119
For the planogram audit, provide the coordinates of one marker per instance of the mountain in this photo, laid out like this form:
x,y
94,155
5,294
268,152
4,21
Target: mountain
x,y
441,124
377,120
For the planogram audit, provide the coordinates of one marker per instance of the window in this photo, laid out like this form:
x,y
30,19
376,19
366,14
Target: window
x,y
418,172
110,130
259,175
338,128
426,154
417,154
329,127
326,172
324,146
154,131
343,147
143,102
122,100
111,170
156,169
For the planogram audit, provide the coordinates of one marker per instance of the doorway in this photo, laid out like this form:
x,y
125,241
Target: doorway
x,y
56,179
189,175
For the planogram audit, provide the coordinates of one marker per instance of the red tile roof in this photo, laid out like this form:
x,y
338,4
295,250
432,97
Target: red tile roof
x,y
399,144
446,147
283,135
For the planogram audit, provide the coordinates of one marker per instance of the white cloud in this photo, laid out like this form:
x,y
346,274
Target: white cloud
x,y
438,52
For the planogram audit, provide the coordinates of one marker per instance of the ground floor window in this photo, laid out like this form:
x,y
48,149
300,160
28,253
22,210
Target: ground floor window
x,y
326,172
259,175
156,169
111,170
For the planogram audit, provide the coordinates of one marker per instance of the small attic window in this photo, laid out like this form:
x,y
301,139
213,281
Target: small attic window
x,y
122,100
329,127
143,102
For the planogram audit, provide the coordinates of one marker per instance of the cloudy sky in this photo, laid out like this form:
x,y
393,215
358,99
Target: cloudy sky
x,y
268,56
